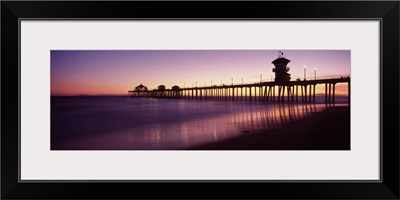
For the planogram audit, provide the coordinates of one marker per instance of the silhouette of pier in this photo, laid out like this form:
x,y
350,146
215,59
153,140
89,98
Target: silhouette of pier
x,y
291,91
274,91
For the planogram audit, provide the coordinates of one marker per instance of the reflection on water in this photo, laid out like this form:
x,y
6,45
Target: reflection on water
x,y
166,124
214,129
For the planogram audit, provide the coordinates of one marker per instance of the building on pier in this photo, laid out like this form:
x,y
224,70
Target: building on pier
x,y
141,88
176,92
159,92
175,88
139,91
161,87
281,69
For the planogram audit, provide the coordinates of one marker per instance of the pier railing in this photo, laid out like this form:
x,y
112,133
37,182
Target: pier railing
x,y
268,80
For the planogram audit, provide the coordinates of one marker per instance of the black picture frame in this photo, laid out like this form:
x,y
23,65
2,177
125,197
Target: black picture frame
x,y
386,11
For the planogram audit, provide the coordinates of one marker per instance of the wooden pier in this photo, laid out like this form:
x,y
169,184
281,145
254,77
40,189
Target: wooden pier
x,y
290,91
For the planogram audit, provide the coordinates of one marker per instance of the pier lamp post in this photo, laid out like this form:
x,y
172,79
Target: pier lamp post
x,y
315,73
242,81
231,80
260,77
305,68
196,83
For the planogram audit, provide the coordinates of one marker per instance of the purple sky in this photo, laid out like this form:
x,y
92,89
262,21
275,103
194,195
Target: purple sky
x,y
113,72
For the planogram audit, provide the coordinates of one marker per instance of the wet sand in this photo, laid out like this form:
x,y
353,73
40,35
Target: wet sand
x,y
327,130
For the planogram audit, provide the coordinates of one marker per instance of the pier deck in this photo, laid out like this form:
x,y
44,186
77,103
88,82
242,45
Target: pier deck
x,y
292,91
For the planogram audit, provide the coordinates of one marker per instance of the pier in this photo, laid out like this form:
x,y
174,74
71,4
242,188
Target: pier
x,y
280,89
290,91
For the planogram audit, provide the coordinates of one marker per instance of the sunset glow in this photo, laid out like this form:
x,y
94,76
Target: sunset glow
x,y
114,72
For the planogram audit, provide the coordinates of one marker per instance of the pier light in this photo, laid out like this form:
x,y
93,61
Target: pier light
x,y
315,73
305,68
231,80
260,77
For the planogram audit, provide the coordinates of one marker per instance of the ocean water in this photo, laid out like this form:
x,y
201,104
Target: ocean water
x,y
124,123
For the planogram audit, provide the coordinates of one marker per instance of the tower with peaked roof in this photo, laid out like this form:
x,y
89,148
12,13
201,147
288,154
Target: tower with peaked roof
x,y
281,69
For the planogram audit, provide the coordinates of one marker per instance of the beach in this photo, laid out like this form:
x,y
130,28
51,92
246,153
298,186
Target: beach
x,y
123,123
326,130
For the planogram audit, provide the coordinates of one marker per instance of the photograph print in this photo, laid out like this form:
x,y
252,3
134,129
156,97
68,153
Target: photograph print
x,y
200,99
